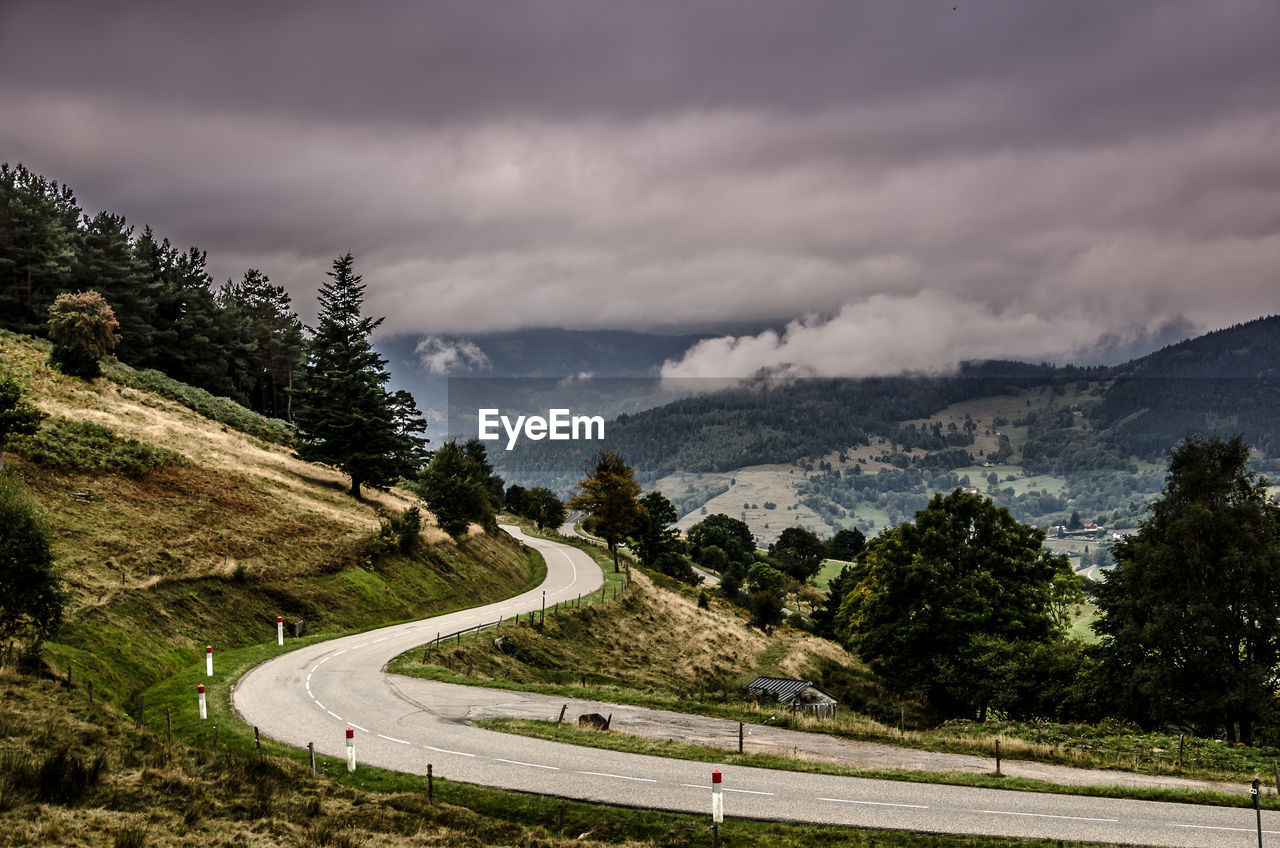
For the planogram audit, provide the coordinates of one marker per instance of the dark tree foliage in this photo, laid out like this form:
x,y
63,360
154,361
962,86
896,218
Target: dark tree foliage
x,y
454,485
731,536
929,588
657,543
1190,617
846,544
245,347
824,618
799,553
513,499
544,507
492,482
39,220
269,345
345,416
608,494
17,416
31,597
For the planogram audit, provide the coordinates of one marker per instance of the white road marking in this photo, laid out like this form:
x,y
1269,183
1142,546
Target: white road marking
x,y
355,726
447,751
1046,816
391,739
695,786
748,791
874,803
1212,827
335,715
619,776
531,765
318,704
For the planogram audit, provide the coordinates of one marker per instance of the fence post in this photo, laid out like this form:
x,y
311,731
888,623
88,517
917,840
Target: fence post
x,y
740,726
566,706
1182,738
257,741
168,724
311,750
997,758
431,788
91,693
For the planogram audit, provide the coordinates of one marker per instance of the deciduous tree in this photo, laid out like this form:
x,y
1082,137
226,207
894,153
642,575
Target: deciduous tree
x,y
928,588
799,553
1190,616
608,494
84,330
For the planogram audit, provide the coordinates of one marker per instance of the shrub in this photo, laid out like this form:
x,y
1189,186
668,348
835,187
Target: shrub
x,y
83,330
401,531
82,446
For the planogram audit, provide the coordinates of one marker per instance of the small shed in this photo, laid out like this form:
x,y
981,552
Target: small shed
x,y
800,695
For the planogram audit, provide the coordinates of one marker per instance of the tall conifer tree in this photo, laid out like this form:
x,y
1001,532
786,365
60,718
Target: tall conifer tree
x,y
345,416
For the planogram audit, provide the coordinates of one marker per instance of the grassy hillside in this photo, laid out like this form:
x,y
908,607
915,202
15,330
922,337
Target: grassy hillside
x,y
174,530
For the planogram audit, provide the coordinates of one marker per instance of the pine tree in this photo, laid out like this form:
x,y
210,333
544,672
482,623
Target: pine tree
x,y
38,225
345,416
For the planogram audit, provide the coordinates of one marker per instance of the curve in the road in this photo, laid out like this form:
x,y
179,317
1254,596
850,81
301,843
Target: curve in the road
x,y
312,694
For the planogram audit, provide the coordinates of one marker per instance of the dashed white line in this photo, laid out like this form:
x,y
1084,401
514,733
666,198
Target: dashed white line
x,y
531,765
335,715
1046,816
447,751
874,803
318,704
748,792
392,739
355,726
619,776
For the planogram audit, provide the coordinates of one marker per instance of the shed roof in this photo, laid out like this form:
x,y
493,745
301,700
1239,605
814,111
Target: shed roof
x,y
783,688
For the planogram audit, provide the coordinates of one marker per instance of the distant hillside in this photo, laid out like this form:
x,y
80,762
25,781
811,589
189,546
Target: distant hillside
x,y
1224,382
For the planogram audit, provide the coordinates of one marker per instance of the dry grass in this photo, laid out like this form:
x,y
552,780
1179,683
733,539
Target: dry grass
x,y
239,501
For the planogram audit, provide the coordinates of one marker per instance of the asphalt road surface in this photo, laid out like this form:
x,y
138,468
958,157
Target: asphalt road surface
x,y
314,693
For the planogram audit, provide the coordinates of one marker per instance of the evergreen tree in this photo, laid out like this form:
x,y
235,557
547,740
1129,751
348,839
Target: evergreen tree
x,y
1190,616
268,342
653,533
345,416
38,236
454,486
105,262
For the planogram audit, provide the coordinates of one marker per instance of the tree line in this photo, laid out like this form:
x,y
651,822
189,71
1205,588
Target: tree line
x,y
241,340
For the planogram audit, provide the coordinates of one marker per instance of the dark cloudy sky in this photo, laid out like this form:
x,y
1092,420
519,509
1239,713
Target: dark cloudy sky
x,y
904,182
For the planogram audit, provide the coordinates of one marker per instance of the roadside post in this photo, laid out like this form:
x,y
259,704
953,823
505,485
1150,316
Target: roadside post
x,y
208,661
351,748
1257,807
717,807
279,629
204,710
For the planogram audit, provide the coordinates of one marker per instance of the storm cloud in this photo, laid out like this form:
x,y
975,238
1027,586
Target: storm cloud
x,y
901,184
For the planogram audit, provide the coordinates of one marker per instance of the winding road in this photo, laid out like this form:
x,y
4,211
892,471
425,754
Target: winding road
x,y
312,694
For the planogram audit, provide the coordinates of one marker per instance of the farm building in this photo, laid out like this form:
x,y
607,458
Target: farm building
x,y
801,695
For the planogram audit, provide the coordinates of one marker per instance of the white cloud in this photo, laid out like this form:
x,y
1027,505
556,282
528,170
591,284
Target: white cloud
x,y
928,332
444,357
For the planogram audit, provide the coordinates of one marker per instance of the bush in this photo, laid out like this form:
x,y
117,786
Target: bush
x,y
223,410
31,597
82,446
401,531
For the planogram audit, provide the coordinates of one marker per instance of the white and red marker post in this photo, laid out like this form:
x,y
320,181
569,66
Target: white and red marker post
x,y
717,806
351,748
208,661
204,710
279,629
